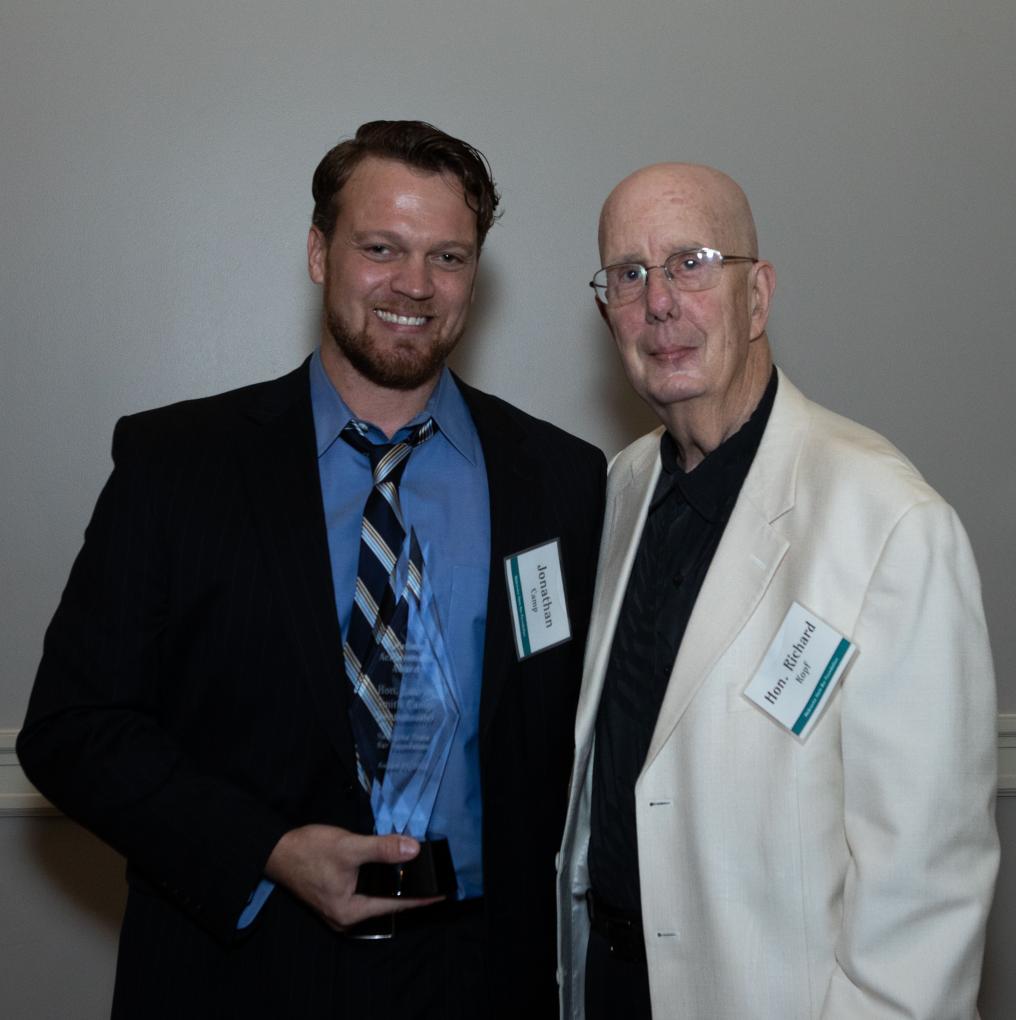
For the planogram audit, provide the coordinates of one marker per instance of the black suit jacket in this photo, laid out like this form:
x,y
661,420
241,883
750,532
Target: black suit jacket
x,y
190,706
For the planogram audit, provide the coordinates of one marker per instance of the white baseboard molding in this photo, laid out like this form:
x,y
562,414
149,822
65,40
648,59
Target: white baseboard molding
x,y
19,797
1007,755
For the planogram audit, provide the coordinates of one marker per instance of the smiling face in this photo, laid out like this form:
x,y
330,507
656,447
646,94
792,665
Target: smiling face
x,y
697,356
398,275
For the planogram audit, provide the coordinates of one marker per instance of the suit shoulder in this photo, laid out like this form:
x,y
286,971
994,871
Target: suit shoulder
x,y
491,411
844,469
860,455
206,419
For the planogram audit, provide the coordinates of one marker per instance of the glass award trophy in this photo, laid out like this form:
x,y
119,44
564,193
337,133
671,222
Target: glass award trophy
x,y
421,705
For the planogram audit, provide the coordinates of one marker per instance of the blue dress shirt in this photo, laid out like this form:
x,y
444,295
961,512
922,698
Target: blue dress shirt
x,y
444,497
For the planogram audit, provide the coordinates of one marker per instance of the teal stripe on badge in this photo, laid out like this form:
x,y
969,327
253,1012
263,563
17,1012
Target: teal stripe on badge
x,y
520,608
816,695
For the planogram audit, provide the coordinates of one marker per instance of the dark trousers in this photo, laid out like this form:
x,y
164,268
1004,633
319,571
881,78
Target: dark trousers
x,y
431,969
434,968
616,988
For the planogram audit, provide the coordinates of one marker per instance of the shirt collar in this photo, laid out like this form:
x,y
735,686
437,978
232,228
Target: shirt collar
x,y
446,406
718,478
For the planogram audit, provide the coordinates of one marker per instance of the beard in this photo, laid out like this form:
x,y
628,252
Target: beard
x,y
406,367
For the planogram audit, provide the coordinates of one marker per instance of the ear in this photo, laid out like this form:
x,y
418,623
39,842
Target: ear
x,y
317,255
602,309
763,284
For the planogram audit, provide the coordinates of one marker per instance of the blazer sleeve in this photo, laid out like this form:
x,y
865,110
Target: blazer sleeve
x,y
97,740
918,733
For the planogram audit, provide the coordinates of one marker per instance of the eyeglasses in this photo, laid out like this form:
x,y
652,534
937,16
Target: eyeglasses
x,y
695,269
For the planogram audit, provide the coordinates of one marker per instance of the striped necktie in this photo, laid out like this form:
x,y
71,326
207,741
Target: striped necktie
x,y
375,642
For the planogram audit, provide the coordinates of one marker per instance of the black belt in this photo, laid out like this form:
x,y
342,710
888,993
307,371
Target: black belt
x,y
622,930
389,925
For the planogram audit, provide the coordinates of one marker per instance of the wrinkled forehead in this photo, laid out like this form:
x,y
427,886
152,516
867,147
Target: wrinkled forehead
x,y
663,208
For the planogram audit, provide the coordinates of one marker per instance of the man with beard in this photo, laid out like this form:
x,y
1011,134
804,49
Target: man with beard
x,y
204,698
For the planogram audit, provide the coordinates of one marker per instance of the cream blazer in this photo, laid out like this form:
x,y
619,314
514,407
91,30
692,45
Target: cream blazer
x,y
847,876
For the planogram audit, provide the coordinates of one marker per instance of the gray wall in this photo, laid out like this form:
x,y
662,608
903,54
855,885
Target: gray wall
x,y
154,200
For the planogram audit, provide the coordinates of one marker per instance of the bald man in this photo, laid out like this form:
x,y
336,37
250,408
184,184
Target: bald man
x,y
782,802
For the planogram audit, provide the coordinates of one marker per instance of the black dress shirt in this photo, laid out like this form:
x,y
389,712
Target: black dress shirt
x,y
687,516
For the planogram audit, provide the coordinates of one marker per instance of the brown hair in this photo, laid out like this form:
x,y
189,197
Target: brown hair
x,y
416,144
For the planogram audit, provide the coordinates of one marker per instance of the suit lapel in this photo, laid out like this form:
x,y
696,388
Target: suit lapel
x,y
280,470
744,564
746,560
515,487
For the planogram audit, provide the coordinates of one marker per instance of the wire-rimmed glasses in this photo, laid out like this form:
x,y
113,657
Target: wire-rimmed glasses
x,y
693,269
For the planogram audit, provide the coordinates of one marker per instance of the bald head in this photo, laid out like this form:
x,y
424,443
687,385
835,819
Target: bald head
x,y
704,198
698,355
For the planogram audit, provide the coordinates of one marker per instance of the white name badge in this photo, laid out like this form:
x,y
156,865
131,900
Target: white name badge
x,y
536,597
800,670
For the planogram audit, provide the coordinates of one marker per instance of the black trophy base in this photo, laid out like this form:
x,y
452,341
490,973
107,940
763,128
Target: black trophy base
x,y
429,873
